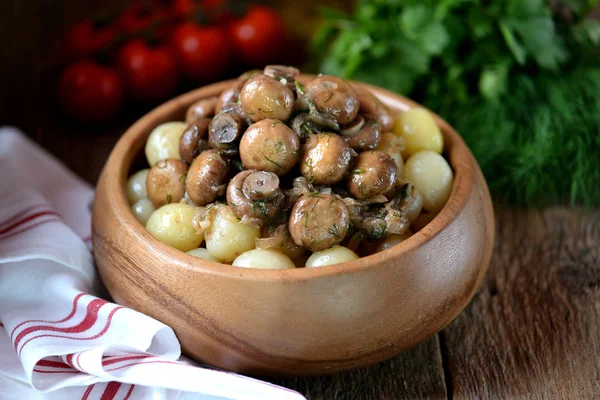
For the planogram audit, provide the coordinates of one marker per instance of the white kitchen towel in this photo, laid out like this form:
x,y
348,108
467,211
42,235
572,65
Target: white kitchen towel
x,y
58,339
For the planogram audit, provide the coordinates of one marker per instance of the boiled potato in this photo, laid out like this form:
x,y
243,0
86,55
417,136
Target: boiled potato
x,y
172,224
432,176
264,259
419,131
203,254
333,255
392,145
142,210
227,237
136,186
163,142
392,240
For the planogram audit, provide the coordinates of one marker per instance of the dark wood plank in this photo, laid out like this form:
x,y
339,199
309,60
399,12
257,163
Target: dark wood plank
x,y
533,330
416,374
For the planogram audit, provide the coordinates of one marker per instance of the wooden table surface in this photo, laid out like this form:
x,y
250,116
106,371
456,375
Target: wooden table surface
x,y
531,331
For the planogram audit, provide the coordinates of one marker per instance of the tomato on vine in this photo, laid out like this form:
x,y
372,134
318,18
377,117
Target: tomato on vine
x,y
203,52
259,37
150,73
87,38
90,92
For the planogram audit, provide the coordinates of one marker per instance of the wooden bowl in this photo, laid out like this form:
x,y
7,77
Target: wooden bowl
x,y
304,321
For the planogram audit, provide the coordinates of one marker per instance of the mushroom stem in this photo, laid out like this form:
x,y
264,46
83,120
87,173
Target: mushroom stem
x,y
261,185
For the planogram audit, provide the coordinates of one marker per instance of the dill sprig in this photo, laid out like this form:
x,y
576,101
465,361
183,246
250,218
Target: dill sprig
x,y
518,79
543,146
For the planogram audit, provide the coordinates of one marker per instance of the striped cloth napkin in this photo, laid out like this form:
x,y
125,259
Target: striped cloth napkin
x,y
58,338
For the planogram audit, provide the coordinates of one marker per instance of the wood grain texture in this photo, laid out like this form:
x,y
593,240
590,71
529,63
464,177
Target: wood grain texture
x,y
416,374
534,329
304,321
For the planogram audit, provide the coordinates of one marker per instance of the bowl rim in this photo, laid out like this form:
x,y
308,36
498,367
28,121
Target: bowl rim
x,y
457,153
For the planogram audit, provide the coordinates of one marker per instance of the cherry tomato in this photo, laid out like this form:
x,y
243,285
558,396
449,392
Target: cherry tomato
x,y
87,38
137,17
259,37
203,53
149,73
90,92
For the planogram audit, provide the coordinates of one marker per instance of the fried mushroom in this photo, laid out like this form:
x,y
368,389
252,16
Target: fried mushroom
x,y
373,174
264,97
364,133
224,131
192,141
165,182
269,145
207,177
369,104
325,158
255,197
203,108
318,221
334,97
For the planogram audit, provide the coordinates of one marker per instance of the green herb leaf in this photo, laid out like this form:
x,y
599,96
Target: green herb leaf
x,y
271,161
334,231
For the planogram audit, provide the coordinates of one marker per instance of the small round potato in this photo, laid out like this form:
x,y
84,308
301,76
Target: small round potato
x,y
263,259
431,175
227,237
142,210
333,255
202,253
136,186
163,142
420,132
172,224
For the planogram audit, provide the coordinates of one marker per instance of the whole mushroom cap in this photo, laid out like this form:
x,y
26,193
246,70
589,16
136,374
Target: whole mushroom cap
x,y
319,221
207,177
269,145
333,96
325,158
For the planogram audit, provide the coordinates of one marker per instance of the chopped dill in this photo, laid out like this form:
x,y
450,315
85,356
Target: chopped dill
x,y
271,161
334,231
300,88
279,145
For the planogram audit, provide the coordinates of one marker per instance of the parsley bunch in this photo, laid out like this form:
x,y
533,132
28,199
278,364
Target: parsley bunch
x,y
519,79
